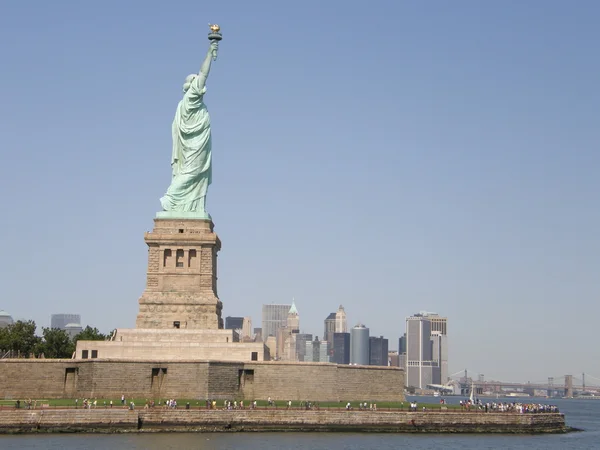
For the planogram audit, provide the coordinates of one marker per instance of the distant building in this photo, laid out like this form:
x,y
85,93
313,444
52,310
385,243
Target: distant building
x,y
309,354
234,323
341,325
5,319
286,336
439,353
318,349
402,351
246,328
73,329
271,343
393,359
402,360
402,344
378,351
426,350
323,355
329,329
438,323
359,345
341,348
301,340
258,335
273,318
60,321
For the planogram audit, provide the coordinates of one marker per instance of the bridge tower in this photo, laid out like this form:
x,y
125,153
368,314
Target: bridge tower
x,y
550,391
569,386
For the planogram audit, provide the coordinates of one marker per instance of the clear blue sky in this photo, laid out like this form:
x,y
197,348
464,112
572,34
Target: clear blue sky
x,y
389,156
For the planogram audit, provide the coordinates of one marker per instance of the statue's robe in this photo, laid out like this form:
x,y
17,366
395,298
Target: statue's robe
x,y
192,158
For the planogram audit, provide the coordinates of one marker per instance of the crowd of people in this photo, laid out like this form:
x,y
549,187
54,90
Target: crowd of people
x,y
514,407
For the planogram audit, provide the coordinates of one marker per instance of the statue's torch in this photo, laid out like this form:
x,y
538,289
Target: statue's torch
x,y
214,35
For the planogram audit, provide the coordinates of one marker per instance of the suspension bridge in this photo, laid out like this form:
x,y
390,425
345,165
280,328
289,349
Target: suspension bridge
x,y
562,385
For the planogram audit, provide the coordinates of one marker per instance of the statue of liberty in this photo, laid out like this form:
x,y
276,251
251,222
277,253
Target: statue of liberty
x,y
191,161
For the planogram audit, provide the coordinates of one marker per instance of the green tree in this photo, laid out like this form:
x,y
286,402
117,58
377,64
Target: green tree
x,y
56,344
20,337
89,334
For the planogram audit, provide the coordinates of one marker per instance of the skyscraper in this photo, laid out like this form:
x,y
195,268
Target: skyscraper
x,y
329,329
258,334
439,353
247,328
402,344
378,351
5,319
402,351
289,334
60,321
71,323
234,323
273,318
439,338
341,348
359,345
341,325
309,355
423,367
301,340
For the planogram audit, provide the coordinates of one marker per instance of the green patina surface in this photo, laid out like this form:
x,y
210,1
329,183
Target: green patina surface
x,y
191,157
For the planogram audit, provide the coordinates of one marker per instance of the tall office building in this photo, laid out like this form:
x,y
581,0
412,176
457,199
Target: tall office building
x,y
359,345
341,325
439,353
439,338
437,323
273,318
341,348
323,352
378,351
309,355
402,351
286,336
247,328
5,319
402,344
301,340
71,323
258,335
423,367
329,329
61,321
318,350
234,323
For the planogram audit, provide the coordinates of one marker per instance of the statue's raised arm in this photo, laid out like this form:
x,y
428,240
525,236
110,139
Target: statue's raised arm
x,y
211,56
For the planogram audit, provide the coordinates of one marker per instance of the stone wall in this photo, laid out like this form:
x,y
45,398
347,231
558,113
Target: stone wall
x,y
30,378
117,419
324,382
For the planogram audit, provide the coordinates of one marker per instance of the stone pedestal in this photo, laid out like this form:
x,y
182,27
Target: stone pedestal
x,y
181,285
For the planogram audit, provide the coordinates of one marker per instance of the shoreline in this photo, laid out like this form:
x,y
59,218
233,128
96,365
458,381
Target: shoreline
x,y
148,421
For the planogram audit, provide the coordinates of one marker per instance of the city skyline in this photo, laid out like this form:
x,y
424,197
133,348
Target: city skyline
x,y
460,139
